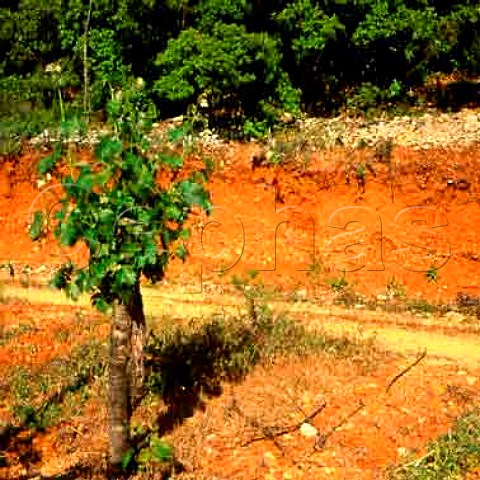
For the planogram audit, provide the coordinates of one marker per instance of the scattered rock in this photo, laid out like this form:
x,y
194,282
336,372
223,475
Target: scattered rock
x,y
402,451
268,460
472,380
302,294
430,130
454,317
308,431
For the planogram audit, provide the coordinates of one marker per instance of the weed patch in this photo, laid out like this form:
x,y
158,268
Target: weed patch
x,y
9,334
420,306
39,397
188,363
468,304
448,457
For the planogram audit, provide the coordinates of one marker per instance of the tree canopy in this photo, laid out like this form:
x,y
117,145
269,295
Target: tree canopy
x,y
241,63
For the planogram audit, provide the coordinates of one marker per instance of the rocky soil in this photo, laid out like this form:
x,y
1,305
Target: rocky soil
x,y
430,129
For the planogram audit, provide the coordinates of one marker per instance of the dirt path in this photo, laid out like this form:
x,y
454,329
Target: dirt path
x,y
401,333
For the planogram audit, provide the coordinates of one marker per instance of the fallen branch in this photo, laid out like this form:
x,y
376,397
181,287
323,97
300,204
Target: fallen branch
x,y
406,370
272,433
322,438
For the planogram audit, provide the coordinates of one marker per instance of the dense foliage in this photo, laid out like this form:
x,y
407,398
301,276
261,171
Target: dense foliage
x,y
131,225
240,63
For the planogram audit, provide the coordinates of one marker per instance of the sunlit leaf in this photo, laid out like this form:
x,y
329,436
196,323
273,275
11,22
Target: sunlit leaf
x,y
36,230
181,252
194,194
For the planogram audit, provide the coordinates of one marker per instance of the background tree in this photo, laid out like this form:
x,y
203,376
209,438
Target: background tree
x,y
255,59
238,74
132,226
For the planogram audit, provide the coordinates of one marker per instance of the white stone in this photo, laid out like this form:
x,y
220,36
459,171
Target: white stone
x,y
472,380
308,430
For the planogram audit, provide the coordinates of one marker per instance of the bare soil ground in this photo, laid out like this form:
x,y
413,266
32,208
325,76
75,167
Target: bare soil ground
x,y
383,238
214,443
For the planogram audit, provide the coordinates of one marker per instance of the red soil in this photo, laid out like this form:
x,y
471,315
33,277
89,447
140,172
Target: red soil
x,y
399,228
417,409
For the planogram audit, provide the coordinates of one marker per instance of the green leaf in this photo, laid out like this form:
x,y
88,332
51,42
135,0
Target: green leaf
x,y
69,231
63,276
71,188
175,134
145,456
173,213
144,144
150,255
128,459
69,127
100,303
125,277
60,214
166,237
107,149
432,275
194,194
185,234
82,280
162,451
114,109
47,164
174,161
105,216
73,291
253,273
181,252
86,182
36,230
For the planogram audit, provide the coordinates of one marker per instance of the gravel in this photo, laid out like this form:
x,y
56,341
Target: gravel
x,y
428,130
431,129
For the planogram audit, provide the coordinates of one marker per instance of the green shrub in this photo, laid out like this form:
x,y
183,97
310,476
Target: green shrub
x,y
338,283
236,76
209,12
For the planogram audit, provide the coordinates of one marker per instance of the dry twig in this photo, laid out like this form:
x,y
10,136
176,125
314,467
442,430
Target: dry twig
x,y
406,370
272,433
